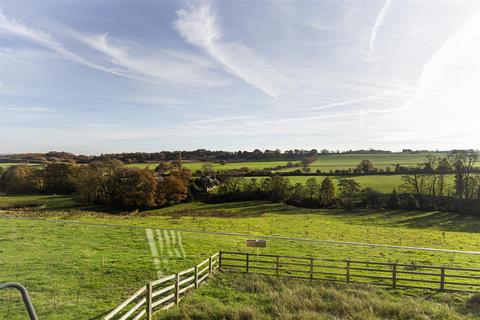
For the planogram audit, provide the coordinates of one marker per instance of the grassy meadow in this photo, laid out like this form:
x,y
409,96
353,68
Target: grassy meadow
x,y
81,260
332,162
381,183
251,296
325,163
197,165
9,164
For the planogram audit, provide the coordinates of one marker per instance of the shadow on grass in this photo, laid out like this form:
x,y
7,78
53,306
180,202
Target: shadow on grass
x,y
443,221
51,203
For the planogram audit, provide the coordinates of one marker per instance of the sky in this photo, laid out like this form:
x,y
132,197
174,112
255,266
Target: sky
x,y
91,77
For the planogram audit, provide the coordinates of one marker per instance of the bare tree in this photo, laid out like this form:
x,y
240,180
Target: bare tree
x,y
464,162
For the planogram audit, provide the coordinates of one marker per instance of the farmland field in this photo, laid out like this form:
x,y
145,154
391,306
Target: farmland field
x,y
197,165
381,183
332,162
85,262
325,163
9,164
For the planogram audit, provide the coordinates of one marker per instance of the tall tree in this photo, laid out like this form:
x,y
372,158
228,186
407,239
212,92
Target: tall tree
x,y
464,162
59,178
348,188
327,191
366,166
311,185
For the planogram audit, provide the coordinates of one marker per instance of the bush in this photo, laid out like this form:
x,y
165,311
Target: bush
x,y
371,198
411,203
393,201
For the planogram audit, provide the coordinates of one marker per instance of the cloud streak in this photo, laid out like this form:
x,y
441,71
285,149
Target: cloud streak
x,y
362,99
165,66
452,51
378,23
13,27
199,27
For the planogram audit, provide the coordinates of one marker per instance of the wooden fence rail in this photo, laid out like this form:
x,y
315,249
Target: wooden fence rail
x,y
395,275
163,293
168,291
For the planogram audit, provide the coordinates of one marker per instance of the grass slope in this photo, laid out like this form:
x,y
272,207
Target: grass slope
x,y
82,269
244,297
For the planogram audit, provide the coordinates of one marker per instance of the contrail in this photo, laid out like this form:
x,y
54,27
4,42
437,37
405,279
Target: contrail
x,y
378,23
362,99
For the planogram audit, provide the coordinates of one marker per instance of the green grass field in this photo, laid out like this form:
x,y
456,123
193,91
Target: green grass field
x,y
325,162
381,183
84,269
251,296
196,165
9,164
333,162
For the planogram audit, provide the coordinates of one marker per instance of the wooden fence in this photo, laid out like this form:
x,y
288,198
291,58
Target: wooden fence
x,y
163,293
395,275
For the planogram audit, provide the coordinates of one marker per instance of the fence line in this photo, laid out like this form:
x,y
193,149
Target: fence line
x,y
164,293
395,275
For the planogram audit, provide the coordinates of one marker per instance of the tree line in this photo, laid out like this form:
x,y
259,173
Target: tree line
x,y
199,155
425,187
108,182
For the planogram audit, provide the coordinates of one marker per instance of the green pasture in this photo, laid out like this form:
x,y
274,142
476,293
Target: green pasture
x,y
74,266
197,165
381,183
333,162
9,164
249,296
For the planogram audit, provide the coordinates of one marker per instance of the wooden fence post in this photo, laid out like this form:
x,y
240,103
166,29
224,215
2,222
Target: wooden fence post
x,y
394,275
442,278
177,288
149,301
210,265
311,269
196,277
247,262
277,266
348,272
220,261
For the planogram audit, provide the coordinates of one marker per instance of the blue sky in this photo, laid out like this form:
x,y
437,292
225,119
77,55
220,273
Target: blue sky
x,y
113,76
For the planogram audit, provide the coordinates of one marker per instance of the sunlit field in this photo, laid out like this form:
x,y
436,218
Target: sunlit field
x,y
381,183
332,162
9,164
197,165
325,163
251,296
88,269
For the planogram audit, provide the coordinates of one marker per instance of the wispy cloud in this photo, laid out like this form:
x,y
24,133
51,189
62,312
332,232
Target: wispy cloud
x,y
13,27
378,23
362,99
166,66
23,109
199,27
452,50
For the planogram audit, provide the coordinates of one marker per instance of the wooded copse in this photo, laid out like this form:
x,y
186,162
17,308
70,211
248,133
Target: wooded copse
x,y
109,182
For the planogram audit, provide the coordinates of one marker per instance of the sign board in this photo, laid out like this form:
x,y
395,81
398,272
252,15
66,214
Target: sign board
x,y
257,243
